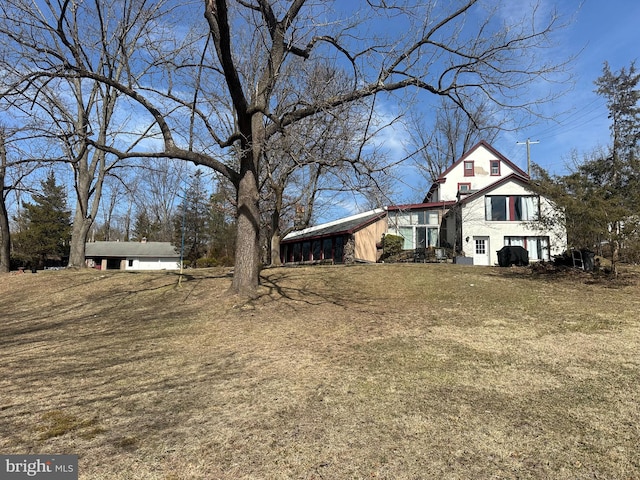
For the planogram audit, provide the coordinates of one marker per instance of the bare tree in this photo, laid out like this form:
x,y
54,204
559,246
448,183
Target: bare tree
x,y
226,93
158,185
14,171
453,131
5,235
77,112
311,163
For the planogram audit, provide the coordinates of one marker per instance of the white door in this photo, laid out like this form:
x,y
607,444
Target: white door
x,y
481,251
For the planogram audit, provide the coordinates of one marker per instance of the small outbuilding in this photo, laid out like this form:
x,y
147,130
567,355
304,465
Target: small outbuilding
x,y
349,240
132,256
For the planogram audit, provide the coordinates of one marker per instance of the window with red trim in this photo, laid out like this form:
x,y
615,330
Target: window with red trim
x,y
514,208
464,187
495,167
468,168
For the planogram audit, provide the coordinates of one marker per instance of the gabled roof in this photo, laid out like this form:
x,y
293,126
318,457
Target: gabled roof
x,y
484,144
346,225
131,249
513,177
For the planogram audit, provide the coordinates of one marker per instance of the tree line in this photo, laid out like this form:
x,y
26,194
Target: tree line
x,y
200,225
599,198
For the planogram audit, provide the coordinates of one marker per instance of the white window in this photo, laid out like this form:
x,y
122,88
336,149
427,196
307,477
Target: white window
x,y
419,228
481,246
407,234
514,241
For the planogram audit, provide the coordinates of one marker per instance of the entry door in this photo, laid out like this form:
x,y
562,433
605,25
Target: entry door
x,y
481,250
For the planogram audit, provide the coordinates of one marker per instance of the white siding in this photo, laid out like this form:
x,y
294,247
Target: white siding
x,y
481,158
152,264
474,224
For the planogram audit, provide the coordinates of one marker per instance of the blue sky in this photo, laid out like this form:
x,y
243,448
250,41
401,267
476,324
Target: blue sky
x,y
601,31
596,31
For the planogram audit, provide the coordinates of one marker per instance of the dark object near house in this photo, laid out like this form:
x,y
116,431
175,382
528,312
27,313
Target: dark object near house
x,y
583,259
460,260
513,255
420,255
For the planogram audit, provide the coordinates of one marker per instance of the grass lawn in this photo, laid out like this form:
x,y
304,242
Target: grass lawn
x,y
378,371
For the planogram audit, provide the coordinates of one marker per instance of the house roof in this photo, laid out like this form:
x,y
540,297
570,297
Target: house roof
x,y
443,176
422,206
131,249
346,225
509,178
482,143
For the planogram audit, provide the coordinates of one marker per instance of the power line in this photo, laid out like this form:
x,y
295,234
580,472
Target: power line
x,y
582,112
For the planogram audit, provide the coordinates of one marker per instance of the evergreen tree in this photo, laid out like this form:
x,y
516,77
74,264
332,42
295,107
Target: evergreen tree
x,y
620,89
618,177
144,227
44,226
601,198
190,221
220,230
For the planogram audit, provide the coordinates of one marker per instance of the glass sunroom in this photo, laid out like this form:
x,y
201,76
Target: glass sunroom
x,y
418,225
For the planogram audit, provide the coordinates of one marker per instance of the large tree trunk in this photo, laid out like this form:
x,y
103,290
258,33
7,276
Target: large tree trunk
x,y
246,275
247,263
275,228
276,261
79,234
83,217
5,240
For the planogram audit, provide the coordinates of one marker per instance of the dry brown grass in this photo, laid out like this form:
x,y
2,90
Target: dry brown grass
x,y
380,371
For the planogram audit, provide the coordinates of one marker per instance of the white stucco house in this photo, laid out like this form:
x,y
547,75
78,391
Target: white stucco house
x,y
486,203
132,256
506,213
478,205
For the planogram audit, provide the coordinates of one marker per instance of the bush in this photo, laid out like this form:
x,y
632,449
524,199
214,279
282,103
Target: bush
x,y
630,253
391,245
205,262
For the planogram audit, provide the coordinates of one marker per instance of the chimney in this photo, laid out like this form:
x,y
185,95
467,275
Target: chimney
x,y
298,221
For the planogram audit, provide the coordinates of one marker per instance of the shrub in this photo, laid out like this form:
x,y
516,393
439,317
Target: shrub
x,y
391,245
204,262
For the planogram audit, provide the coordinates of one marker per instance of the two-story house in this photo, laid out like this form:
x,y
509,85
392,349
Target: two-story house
x,y
494,207
479,204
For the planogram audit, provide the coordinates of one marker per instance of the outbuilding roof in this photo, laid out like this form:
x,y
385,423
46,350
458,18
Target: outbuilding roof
x,y
131,249
343,226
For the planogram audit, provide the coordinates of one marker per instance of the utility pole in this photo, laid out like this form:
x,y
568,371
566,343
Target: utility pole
x,y
528,143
